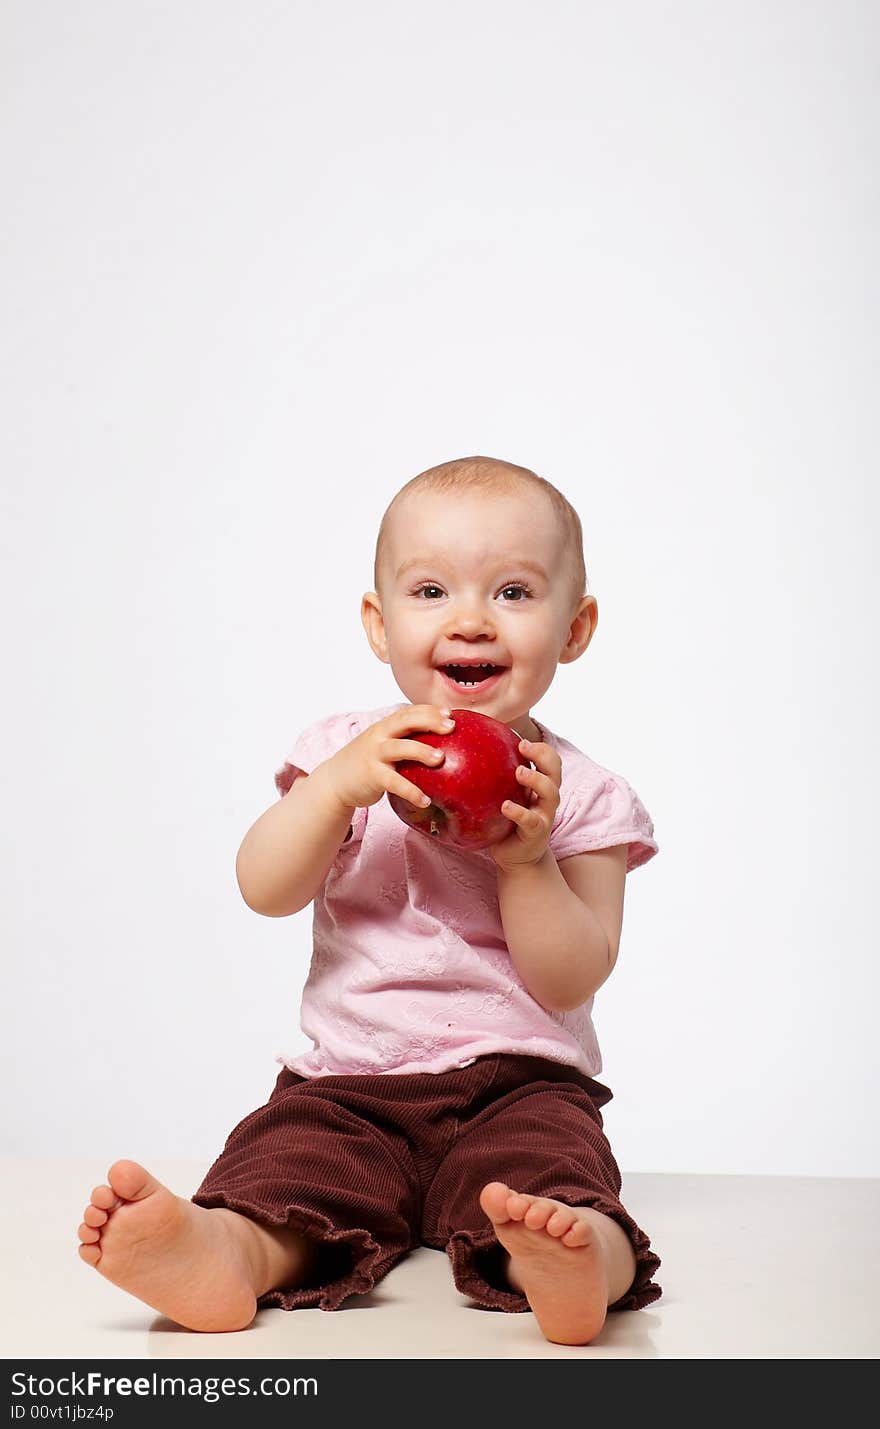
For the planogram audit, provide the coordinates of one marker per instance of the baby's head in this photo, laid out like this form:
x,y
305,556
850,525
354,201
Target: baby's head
x,y
479,560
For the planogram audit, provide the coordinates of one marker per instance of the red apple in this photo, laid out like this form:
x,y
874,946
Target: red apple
x,y
469,787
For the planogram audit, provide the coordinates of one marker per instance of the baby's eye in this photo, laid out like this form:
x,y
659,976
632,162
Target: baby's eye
x,y
522,590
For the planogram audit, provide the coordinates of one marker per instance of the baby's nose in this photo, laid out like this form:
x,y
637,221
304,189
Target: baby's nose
x,y
471,620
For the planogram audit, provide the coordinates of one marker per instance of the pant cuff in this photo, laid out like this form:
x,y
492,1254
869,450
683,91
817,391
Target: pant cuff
x,y
643,1291
478,1270
348,1262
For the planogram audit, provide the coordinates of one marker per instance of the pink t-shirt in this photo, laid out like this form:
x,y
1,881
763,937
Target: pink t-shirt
x,y
410,970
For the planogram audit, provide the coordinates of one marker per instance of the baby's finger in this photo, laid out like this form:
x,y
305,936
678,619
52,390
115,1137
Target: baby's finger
x,y
542,784
543,757
531,821
415,717
396,750
398,785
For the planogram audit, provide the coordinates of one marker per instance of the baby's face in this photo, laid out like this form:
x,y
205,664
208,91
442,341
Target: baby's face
x,y
473,577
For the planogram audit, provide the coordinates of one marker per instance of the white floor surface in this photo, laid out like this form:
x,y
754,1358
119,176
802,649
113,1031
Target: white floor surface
x,y
753,1268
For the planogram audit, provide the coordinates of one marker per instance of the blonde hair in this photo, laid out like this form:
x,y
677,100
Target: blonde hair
x,y
486,473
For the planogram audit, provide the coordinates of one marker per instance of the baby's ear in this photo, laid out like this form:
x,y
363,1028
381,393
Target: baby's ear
x,y
582,630
374,624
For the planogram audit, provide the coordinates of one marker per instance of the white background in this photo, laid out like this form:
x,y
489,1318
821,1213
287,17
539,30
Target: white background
x,y
266,261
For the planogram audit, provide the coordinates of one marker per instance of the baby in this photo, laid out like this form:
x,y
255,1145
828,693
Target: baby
x,y
449,1098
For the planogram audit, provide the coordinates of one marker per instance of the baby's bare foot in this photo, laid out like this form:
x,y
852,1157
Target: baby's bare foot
x,y
190,1263
558,1259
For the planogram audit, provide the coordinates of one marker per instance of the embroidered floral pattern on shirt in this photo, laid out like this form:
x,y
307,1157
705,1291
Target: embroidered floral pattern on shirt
x,y
410,969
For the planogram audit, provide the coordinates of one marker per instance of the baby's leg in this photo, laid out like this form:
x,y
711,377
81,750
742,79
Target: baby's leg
x,y
557,1239
324,1157
204,1268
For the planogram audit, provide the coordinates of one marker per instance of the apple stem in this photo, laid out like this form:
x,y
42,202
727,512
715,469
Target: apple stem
x,y
434,829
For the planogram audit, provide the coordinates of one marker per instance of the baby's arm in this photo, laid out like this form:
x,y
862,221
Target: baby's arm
x,y
559,944
286,855
556,941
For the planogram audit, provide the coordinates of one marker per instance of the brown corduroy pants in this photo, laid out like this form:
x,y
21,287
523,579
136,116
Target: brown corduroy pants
x,y
373,1165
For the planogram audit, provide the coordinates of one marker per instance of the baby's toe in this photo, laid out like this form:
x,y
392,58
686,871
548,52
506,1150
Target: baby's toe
x,y
88,1235
517,1205
579,1234
93,1216
91,1254
104,1197
538,1214
562,1220
493,1199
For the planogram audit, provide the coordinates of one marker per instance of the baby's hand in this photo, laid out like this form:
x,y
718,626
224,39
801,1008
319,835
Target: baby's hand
x,y
363,771
529,839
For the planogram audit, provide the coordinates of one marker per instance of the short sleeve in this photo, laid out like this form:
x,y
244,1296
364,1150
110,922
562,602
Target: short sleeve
x,y
319,741
599,809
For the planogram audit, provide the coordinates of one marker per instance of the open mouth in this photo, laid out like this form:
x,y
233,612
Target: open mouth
x,y
469,677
